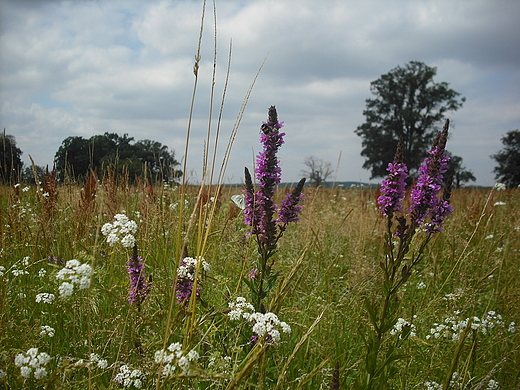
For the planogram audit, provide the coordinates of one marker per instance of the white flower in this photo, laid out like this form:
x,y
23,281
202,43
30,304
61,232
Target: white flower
x,y
40,373
45,298
47,331
511,328
128,241
2,270
492,385
19,272
25,371
421,285
500,187
25,189
499,204
66,289
42,272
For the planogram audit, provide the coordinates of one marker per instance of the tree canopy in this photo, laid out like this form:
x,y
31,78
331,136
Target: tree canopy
x,y
407,104
318,171
10,159
508,159
77,157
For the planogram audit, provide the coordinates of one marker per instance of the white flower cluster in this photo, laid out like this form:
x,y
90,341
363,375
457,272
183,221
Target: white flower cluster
x,y
127,377
266,325
32,363
452,328
433,386
493,385
240,308
174,357
2,270
188,267
47,331
403,324
74,274
45,298
500,187
122,229
100,363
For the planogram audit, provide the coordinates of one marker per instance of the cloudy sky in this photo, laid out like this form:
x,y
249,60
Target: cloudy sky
x,y
79,68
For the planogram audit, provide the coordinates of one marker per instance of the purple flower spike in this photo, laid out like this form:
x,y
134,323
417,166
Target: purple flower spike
x,y
289,209
425,202
393,189
138,289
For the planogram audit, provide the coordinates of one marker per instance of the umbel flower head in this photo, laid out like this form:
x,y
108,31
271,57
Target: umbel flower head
x,y
186,274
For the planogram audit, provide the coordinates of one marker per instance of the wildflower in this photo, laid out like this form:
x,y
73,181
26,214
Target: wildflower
x,y
32,363
421,285
47,331
101,363
433,386
121,226
2,271
500,187
42,272
74,274
19,272
45,298
499,204
492,385
186,273
174,357
424,196
393,188
138,288
512,327
403,328
126,377
240,308
259,206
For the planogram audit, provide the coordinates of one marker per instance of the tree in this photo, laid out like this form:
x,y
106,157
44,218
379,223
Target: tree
x,y
408,104
10,159
78,157
318,172
508,159
458,171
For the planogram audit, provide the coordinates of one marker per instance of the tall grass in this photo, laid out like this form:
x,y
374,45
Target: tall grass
x,y
329,265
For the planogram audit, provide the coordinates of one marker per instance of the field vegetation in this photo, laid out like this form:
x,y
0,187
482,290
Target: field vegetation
x,y
452,323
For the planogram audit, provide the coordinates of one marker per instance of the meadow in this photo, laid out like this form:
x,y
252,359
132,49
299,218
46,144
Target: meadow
x,y
73,324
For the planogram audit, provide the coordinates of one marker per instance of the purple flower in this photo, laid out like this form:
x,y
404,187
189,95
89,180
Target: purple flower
x,y
289,209
138,289
186,275
260,208
393,189
425,201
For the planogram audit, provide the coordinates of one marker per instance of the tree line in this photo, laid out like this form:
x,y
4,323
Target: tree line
x,y
78,157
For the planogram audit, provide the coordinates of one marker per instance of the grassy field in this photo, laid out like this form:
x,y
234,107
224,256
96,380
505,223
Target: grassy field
x,y
452,324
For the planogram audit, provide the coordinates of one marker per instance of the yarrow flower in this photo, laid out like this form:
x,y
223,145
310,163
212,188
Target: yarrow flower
x,y
174,357
74,274
47,331
186,272
265,325
451,328
45,298
403,328
32,363
128,377
121,230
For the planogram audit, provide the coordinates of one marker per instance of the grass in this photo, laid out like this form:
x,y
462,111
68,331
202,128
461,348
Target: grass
x,y
328,264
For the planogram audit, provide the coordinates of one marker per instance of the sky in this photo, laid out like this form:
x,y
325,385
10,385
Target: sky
x,y
80,68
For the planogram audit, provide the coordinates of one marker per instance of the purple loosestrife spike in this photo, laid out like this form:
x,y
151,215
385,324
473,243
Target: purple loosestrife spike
x,y
289,209
393,188
138,288
442,211
424,195
268,174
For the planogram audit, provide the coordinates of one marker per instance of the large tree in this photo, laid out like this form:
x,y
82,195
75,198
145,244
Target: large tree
x,y
508,159
408,104
10,159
